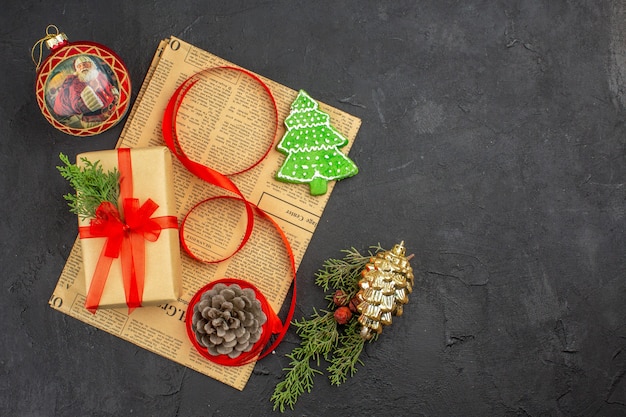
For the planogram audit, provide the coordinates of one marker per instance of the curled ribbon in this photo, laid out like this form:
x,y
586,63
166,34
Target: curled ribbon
x,y
274,325
125,238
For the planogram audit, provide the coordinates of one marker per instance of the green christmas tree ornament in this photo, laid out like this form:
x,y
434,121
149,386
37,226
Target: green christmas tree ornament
x,y
312,147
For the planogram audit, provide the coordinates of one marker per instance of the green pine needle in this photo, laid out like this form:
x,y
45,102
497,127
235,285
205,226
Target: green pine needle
x,y
93,186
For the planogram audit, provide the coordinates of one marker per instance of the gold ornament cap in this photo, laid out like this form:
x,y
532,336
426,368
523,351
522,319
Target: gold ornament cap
x,y
399,249
52,40
56,40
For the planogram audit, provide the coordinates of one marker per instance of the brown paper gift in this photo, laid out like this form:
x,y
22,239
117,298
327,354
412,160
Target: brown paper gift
x,y
151,179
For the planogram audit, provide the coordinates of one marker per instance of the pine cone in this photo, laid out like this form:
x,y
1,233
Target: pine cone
x,y
228,320
385,285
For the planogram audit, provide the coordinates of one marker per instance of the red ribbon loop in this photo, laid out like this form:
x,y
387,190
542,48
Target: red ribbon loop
x,y
125,239
138,218
211,176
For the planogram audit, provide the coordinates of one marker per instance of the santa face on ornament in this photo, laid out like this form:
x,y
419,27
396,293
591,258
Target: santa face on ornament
x,y
82,92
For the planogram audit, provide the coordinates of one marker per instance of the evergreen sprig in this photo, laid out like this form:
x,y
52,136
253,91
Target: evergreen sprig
x,y
346,356
319,336
93,186
322,337
343,273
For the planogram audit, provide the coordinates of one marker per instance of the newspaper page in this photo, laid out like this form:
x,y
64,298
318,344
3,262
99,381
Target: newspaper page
x,y
226,121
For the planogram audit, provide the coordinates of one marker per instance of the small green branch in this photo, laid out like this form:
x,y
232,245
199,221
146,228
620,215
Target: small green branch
x,y
344,274
346,356
321,336
93,186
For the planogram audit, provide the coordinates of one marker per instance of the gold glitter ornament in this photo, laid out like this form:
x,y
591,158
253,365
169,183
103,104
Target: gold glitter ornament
x,y
384,287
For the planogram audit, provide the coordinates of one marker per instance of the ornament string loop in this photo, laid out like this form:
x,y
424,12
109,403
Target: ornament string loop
x,y
40,42
212,176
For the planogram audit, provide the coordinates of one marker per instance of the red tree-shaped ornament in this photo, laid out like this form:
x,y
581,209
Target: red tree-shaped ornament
x,y
312,147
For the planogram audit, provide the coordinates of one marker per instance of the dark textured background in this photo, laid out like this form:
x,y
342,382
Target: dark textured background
x,y
493,143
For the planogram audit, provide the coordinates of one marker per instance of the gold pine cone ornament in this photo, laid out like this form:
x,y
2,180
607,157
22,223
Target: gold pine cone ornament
x,y
384,287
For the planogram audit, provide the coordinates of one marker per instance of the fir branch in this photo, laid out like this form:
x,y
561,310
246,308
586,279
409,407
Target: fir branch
x,y
346,356
319,336
93,186
299,378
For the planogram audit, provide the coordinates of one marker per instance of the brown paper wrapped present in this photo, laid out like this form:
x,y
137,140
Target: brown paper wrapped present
x,y
131,253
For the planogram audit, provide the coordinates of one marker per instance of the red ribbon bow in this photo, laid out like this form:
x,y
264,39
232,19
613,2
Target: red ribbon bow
x,y
125,239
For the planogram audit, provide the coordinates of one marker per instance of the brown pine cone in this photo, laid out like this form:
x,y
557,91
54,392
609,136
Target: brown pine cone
x,y
228,320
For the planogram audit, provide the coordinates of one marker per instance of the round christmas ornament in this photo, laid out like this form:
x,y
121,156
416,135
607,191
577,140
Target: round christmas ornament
x,y
82,88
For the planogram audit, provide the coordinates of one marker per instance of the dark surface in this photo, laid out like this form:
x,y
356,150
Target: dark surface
x,y
493,143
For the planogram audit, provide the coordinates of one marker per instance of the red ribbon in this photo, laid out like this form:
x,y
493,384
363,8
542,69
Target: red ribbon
x,y
125,238
273,325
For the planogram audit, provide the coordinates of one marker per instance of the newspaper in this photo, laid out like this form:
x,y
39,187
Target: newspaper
x,y
206,130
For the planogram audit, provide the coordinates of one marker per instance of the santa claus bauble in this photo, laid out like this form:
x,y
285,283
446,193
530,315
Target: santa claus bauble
x,y
82,88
